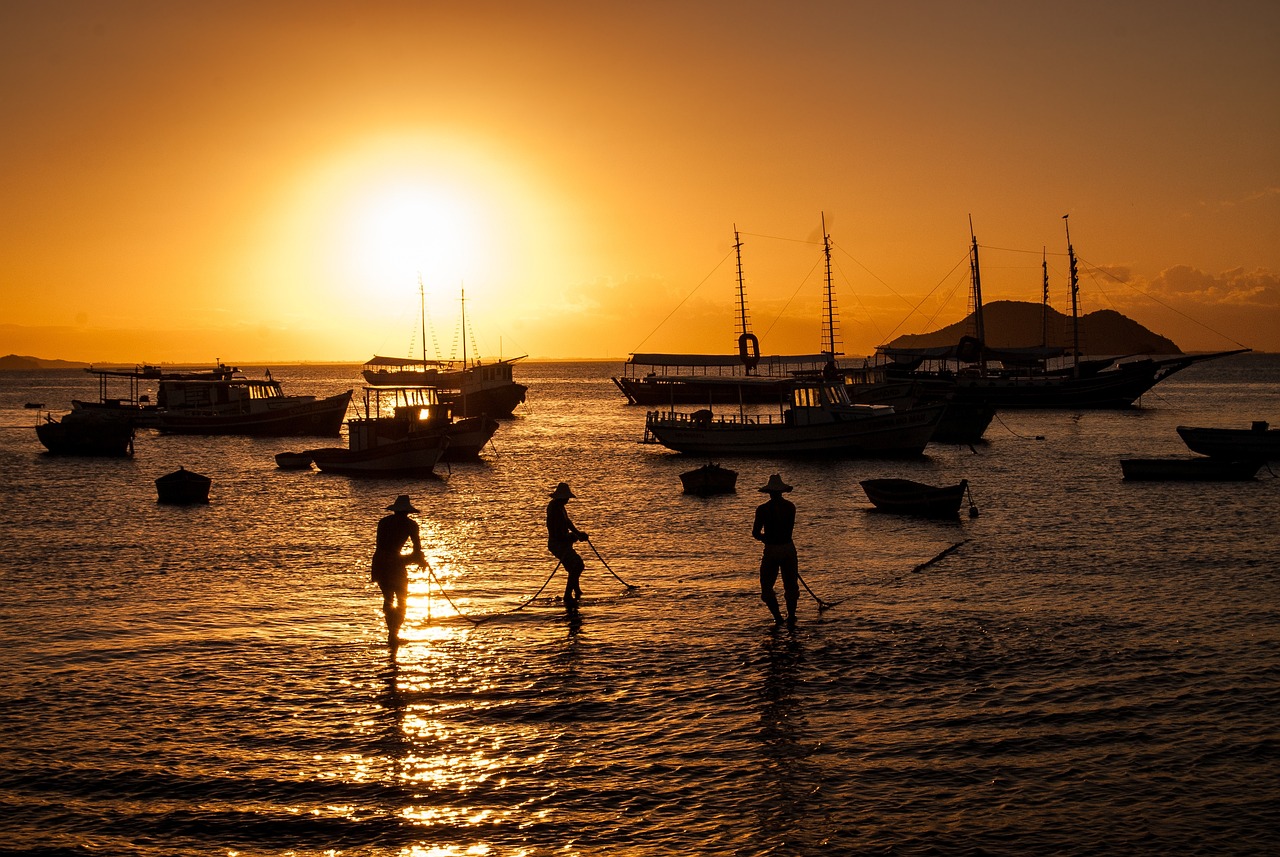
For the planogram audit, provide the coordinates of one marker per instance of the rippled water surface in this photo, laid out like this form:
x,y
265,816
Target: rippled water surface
x,y
1095,669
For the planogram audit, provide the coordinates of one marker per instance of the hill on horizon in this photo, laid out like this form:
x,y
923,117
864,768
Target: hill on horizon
x,y
1018,324
23,363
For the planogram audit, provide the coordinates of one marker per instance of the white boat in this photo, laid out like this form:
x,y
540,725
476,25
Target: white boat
x,y
817,419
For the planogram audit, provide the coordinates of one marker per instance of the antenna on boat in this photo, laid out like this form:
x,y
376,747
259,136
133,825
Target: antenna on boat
x,y
829,316
1075,294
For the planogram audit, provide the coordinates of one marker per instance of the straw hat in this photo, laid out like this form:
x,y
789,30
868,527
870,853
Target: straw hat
x,y
401,504
775,485
562,492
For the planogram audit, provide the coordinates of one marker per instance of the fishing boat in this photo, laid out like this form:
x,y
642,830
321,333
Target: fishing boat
x,y
472,388
183,487
905,497
85,433
817,418
131,404
709,479
404,431
656,379
1255,443
230,403
1201,469
1025,378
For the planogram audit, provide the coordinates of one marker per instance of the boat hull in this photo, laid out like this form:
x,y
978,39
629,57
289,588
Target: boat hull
x,y
415,455
183,487
1258,443
878,435
905,497
1188,470
74,435
286,417
709,479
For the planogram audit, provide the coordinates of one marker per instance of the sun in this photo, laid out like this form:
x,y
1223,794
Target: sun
x,y
398,230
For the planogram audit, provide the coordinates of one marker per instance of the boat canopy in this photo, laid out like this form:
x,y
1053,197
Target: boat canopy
x,y
725,359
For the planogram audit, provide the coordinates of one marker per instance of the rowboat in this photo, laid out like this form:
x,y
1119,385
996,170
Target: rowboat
x,y
1203,469
709,479
1255,443
183,486
905,497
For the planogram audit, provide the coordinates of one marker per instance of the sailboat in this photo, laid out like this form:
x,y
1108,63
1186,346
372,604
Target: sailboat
x,y
1022,378
746,377
472,388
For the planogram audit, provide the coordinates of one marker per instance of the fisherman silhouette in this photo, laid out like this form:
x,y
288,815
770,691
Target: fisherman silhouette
x,y
390,566
775,519
561,534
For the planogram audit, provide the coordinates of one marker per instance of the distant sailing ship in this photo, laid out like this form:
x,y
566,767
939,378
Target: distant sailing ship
x,y
1017,378
472,388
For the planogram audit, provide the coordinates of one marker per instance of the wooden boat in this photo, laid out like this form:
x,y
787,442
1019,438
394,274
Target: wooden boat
x,y
709,479
1202,469
1257,442
131,405
1022,378
905,497
818,419
472,388
405,430
183,486
85,433
293,460
229,403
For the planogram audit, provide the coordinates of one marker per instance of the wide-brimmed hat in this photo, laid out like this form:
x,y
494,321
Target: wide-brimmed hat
x,y
775,485
401,504
562,492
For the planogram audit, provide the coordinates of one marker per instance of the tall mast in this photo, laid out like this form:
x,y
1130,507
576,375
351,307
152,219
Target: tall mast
x,y
743,326
1075,294
462,378
975,275
422,310
1044,300
829,316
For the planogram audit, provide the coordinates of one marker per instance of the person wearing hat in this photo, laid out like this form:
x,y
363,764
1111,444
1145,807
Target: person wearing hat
x,y
561,534
390,566
775,519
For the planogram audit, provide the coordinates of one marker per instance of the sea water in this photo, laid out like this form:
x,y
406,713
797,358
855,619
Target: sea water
x,y
1094,669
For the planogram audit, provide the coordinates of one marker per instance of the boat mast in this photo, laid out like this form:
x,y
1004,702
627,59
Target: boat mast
x,y
463,377
1075,295
748,345
829,316
1044,300
975,275
422,310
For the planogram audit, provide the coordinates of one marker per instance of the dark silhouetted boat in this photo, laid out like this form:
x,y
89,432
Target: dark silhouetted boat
x,y
85,433
1255,443
183,487
709,479
1023,378
1202,469
817,420
905,497
230,403
293,460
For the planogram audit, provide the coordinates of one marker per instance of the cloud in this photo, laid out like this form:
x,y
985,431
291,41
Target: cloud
x,y
1237,287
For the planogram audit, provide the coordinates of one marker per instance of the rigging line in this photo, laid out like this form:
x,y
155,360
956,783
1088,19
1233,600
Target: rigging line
x,y
682,302
873,274
803,283
1093,267
963,260
780,238
858,297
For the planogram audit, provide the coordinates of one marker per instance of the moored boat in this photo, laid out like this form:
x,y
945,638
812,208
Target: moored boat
x,y
817,419
906,497
1257,442
230,403
709,479
182,487
1201,469
85,433
293,460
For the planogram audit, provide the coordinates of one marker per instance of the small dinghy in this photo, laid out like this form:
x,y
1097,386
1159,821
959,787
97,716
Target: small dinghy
x,y
710,479
1188,469
905,497
183,487
293,460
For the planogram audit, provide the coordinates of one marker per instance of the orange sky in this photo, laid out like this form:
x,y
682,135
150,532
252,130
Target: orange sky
x,y
267,180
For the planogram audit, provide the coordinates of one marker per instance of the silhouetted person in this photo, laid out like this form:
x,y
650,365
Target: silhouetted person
x,y
561,534
775,519
390,566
